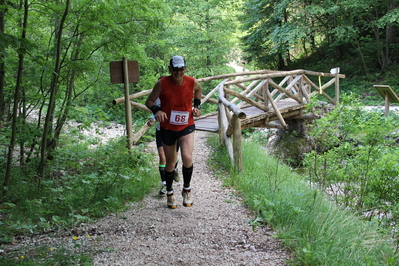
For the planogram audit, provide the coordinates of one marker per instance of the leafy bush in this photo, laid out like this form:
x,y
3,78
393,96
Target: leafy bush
x,y
84,183
355,158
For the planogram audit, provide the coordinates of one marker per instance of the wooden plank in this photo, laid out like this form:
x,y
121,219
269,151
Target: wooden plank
x,y
255,90
282,90
280,117
384,90
212,92
246,99
140,133
140,106
266,76
128,108
207,124
132,96
237,74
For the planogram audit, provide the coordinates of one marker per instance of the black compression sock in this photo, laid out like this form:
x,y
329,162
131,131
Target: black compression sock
x,y
187,174
169,181
162,172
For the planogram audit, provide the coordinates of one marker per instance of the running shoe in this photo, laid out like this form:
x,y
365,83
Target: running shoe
x,y
187,201
171,201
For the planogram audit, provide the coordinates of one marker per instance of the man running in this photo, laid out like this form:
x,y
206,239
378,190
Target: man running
x,y
176,117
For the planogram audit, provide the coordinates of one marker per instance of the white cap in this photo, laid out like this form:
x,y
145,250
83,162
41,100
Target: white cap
x,y
177,61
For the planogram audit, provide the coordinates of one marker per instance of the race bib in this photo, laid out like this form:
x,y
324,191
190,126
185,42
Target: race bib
x,y
179,117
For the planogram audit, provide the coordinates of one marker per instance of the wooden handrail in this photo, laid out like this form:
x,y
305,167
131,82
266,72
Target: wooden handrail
x,y
256,89
232,107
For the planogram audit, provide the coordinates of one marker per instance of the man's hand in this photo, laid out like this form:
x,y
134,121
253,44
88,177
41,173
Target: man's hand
x,y
161,116
196,112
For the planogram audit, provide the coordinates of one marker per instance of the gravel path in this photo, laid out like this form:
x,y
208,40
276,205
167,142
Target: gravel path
x,y
214,231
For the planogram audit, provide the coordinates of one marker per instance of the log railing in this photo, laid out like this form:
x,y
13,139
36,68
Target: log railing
x,y
258,89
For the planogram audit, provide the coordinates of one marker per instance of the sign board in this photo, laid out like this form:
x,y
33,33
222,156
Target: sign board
x,y
116,70
385,89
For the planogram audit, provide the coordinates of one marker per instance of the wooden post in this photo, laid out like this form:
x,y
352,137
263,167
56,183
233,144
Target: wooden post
x,y
128,109
264,94
300,90
337,89
222,131
237,143
125,72
386,104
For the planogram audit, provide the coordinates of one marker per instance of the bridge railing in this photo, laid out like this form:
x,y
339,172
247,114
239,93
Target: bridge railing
x,y
294,84
263,89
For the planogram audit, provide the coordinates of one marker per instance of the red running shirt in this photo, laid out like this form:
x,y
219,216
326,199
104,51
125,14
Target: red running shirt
x,y
176,102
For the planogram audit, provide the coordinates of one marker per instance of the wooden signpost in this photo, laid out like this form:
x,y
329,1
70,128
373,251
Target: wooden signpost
x,y
125,72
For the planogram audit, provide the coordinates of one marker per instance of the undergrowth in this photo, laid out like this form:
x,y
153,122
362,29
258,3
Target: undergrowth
x,y
87,180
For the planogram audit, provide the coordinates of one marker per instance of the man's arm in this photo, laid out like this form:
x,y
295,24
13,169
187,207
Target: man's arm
x,y
197,99
197,90
159,115
153,95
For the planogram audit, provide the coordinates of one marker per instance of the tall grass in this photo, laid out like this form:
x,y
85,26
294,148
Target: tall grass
x,y
306,220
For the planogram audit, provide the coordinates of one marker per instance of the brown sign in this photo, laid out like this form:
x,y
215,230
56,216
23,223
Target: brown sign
x,y
116,69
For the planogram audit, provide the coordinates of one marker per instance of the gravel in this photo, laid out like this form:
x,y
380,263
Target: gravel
x,y
214,231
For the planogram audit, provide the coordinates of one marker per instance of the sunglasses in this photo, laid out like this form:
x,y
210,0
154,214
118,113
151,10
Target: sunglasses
x,y
174,69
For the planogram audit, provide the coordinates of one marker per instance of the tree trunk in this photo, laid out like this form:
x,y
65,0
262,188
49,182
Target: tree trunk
x,y
2,64
359,49
68,97
22,121
44,155
7,177
390,34
380,51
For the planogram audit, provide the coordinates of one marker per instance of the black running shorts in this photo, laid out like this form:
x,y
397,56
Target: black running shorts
x,y
158,138
169,137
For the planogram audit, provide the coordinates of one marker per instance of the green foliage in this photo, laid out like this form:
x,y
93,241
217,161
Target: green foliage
x,y
316,230
357,36
257,136
85,183
195,31
355,157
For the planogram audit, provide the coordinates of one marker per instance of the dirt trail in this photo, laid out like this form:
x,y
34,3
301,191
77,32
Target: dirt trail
x,y
214,231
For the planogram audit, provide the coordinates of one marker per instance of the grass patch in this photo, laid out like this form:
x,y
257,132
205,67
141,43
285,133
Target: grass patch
x,y
305,219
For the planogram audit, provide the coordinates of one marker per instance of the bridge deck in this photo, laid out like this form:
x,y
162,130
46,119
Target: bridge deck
x,y
210,123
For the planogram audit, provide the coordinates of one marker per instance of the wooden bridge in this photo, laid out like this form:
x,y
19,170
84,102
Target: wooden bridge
x,y
261,98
